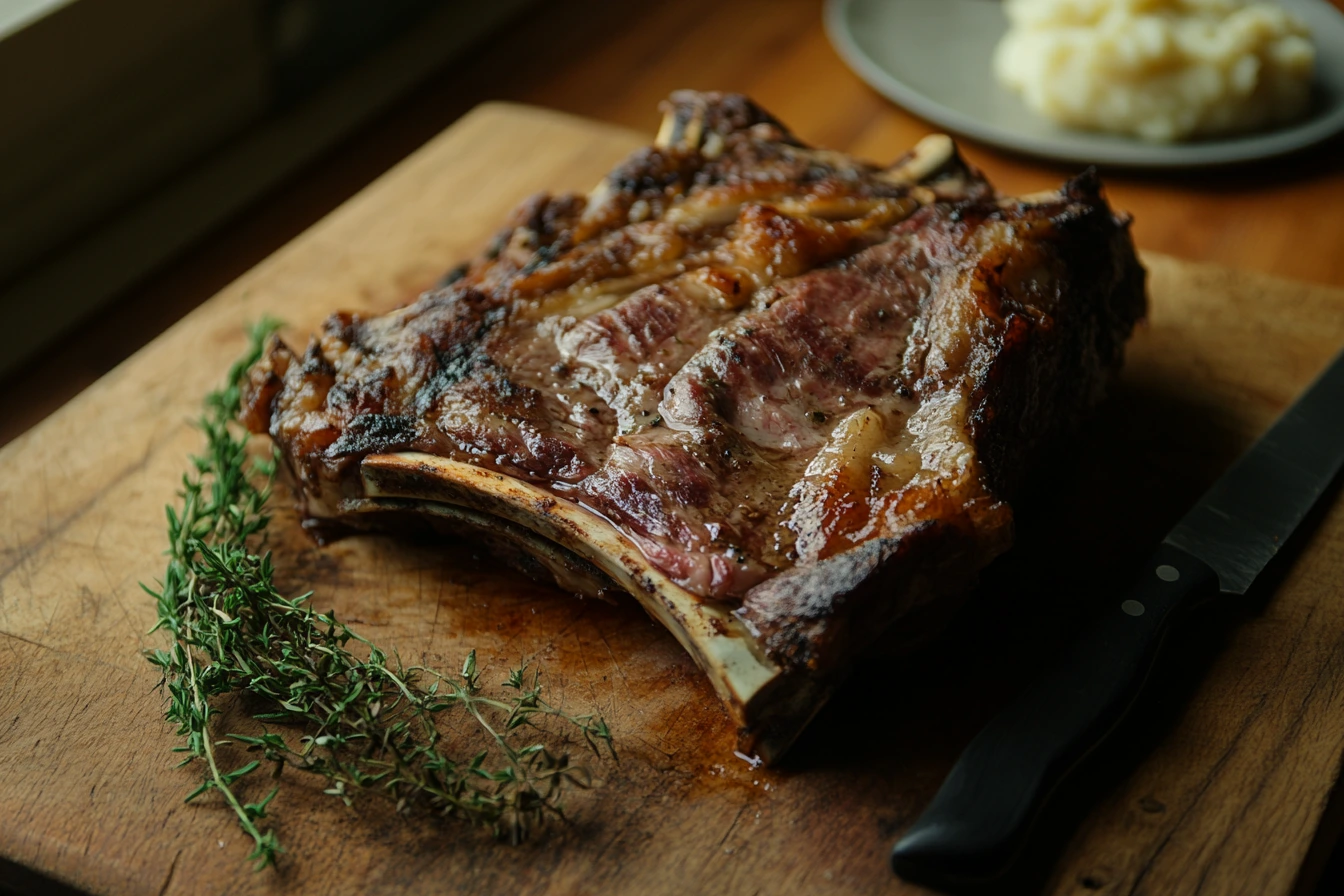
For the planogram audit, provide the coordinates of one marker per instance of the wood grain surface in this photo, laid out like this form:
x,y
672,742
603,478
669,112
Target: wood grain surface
x,y
613,61
1227,801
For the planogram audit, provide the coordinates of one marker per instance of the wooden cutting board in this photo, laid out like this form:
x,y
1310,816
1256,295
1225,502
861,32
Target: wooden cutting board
x,y
1227,801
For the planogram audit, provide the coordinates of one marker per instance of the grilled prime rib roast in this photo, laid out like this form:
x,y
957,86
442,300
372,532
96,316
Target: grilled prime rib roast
x,y
777,394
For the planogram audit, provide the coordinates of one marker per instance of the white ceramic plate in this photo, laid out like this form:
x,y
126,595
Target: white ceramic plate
x,y
933,58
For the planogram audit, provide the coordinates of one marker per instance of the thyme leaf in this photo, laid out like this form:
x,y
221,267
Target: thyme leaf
x,y
348,710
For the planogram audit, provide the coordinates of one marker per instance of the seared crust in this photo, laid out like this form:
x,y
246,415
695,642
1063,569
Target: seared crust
x,y
803,386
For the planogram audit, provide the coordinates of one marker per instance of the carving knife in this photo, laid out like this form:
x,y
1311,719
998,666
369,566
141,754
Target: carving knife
x,y
979,819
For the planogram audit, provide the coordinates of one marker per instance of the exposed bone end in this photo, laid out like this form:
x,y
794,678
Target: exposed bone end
x,y
929,156
769,705
691,121
682,127
1085,188
779,712
935,168
1042,197
667,130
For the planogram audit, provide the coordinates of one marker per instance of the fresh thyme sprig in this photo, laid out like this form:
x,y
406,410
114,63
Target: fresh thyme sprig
x,y
355,715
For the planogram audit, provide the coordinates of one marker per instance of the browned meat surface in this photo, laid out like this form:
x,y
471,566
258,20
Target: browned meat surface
x,y
801,385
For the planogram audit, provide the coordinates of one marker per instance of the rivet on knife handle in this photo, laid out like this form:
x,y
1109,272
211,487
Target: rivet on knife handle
x,y
978,821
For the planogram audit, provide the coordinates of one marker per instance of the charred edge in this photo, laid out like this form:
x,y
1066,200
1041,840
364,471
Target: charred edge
x,y
1032,392
368,433
853,597
692,114
453,276
459,360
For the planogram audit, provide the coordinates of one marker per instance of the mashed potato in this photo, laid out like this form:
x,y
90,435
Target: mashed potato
x,y
1158,69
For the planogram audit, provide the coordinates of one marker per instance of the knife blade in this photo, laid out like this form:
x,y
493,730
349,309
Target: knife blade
x,y
979,819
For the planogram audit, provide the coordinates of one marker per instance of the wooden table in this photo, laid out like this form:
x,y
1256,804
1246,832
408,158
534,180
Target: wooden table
x,y
614,61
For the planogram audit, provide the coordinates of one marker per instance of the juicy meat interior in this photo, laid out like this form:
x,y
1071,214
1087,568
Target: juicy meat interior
x,y
777,370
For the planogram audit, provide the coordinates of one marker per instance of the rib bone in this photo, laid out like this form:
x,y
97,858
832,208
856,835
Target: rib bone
x,y
718,641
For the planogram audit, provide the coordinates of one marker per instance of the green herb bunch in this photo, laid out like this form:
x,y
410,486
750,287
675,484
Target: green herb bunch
x,y
357,717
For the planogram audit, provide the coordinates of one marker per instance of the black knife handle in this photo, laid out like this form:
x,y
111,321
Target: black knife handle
x,y
978,821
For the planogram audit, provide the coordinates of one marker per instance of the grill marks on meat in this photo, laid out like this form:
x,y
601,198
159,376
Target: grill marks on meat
x,y
782,373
